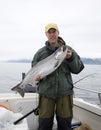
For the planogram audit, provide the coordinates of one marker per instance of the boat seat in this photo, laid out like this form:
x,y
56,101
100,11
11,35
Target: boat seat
x,y
25,106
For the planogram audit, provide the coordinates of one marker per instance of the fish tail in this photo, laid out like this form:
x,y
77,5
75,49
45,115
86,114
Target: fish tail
x,y
18,89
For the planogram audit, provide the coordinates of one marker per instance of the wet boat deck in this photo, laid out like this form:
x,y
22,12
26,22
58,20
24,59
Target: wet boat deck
x,y
23,125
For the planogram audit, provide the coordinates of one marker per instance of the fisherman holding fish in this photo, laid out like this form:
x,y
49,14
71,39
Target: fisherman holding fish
x,y
56,89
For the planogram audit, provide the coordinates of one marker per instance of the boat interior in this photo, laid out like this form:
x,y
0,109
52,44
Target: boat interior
x,y
83,112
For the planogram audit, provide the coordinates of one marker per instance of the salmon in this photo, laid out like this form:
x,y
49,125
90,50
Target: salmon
x,y
42,69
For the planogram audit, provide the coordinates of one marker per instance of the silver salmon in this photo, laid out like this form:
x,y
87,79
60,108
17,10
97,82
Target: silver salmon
x,y
42,69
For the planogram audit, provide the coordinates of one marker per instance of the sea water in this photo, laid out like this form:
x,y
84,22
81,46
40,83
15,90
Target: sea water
x,y
11,75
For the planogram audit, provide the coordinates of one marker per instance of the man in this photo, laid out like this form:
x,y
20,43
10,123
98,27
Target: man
x,y
56,89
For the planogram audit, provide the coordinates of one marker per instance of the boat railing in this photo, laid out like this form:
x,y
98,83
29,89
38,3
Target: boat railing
x,y
92,91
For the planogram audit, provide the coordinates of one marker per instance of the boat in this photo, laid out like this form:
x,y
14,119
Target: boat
x,y
84,113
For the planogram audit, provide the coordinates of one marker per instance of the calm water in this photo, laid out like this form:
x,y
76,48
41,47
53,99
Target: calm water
x,y
11,74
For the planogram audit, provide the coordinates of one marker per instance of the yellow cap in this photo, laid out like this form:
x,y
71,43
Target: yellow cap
x,y
51,25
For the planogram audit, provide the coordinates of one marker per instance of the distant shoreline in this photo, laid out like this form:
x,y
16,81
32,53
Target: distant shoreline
x,y
92,61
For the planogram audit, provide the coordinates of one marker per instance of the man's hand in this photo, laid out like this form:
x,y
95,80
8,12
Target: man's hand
x,y
38,78
69,54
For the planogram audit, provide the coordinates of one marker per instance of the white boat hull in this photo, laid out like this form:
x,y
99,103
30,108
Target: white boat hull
x,y
83,112
88,114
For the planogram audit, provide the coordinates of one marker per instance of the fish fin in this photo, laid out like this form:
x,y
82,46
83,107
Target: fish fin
x,y
56,64
18,89
29,89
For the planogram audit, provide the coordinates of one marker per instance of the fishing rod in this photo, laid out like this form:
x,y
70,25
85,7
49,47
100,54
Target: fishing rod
x,y
35,111
84,78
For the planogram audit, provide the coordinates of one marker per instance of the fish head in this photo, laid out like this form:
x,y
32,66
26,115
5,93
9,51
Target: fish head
x,y
61,52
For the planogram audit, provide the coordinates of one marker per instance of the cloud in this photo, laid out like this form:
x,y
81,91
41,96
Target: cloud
x,y
22,26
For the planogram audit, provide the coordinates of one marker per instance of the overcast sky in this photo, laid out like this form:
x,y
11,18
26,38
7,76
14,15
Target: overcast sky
x,y
22,25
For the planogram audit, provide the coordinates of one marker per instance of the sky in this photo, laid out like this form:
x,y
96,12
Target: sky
x,y
22,24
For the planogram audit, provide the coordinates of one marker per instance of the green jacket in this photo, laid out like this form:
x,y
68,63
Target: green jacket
x,y
59,83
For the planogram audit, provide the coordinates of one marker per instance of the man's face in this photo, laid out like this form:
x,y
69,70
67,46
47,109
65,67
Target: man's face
x,y
52,35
